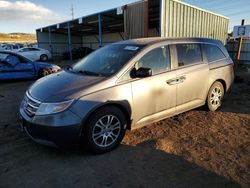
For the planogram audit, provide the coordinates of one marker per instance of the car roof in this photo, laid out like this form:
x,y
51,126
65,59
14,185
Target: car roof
x,y
154,40
8,52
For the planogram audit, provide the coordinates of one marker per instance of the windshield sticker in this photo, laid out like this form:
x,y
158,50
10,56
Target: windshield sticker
x,y
132,48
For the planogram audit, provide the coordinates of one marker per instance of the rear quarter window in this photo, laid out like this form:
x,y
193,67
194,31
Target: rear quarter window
x,y
213,52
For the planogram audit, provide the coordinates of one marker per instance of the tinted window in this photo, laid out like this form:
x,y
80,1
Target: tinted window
x,y
213,52
158,60
107,60
2,59
22,60
3,56
188,54
33,49
24,50
12,60
7,47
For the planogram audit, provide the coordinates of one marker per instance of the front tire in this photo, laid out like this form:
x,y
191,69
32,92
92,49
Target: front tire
x,y
44,57
215,96
105,130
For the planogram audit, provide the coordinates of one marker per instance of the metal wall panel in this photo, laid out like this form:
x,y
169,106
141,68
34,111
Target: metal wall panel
x,y
245,50
59,42
134,21
180,19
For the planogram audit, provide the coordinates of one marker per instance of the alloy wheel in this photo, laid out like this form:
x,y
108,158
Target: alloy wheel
x,y
106,130
216,96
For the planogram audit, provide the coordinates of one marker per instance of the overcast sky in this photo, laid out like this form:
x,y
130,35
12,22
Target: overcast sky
x,y
27,16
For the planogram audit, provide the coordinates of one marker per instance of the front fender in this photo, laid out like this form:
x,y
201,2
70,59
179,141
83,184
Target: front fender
x,y
120,96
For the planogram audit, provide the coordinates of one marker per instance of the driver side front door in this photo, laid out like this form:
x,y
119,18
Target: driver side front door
x,y
154,97
24,69
16,67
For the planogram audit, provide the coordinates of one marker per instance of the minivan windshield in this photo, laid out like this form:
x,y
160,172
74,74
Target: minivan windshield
x,y
107,60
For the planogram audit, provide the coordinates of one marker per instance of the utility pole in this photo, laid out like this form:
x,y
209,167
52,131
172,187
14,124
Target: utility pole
x,y
239,44
72,11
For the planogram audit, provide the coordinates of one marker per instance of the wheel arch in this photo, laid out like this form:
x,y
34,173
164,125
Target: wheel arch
x,y
125,110
223,82
43,54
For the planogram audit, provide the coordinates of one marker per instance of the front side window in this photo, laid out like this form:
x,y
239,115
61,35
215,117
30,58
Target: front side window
x,y
188,54
213,53
2,58
24,50
12,60
157,59
33,49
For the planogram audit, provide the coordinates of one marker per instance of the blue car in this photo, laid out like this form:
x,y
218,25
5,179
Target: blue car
x,y
14,66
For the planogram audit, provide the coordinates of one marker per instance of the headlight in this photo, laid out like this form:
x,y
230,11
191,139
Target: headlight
x,y
51,108
56,67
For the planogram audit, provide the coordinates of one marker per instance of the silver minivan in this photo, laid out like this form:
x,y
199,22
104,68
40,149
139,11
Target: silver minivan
x,y
125,85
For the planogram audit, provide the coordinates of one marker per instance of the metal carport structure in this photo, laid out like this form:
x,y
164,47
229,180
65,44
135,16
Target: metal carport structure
x,y
146,18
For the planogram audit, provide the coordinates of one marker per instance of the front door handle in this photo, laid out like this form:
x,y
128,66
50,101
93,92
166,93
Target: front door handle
x,y
172,82
176,81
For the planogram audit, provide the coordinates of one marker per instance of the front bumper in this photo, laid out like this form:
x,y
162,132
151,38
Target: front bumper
x,y
57,130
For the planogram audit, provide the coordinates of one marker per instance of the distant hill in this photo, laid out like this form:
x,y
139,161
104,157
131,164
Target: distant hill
x,y
17,37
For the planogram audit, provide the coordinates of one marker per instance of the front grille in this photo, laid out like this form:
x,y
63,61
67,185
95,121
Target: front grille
x,y
30,105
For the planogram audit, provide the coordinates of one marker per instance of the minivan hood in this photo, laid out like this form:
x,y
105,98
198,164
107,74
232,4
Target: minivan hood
x,y
62,86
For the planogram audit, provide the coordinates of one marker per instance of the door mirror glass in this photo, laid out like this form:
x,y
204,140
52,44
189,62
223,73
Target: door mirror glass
x,y
142,72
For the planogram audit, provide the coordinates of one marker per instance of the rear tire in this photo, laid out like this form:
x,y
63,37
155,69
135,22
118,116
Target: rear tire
x,y
104,130
215,96
44,57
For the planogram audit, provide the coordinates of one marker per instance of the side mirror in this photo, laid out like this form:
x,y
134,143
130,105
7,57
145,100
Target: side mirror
x,y
142,72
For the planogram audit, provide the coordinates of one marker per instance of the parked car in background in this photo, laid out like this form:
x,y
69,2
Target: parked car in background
x,y
33,45
77,53
35,54
15,66
126,85
11,47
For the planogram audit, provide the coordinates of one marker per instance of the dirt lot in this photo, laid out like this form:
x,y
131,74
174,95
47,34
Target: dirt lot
x,y
194,149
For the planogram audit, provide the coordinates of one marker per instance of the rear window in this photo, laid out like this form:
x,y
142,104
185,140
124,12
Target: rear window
x,y
213,52
188,54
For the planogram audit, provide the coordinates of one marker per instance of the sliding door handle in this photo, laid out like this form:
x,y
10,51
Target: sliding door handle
x,y
182,79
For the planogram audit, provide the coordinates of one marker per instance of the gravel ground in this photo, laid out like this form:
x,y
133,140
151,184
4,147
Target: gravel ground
x,y
193,149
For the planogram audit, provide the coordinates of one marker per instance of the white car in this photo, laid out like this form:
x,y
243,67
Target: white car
x,y
35,54
11,47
